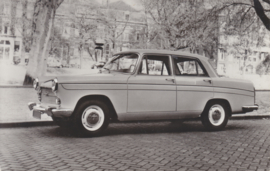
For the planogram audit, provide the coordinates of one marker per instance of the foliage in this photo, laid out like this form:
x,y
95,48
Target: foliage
x,y
87,28
184,24
97,23
241,20
264,66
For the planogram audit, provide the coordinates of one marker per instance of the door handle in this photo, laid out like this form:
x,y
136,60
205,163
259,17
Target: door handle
x,y
210,81
170,79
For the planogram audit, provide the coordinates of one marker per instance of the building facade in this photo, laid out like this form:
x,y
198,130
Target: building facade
x,y
241,54
119,23
11,47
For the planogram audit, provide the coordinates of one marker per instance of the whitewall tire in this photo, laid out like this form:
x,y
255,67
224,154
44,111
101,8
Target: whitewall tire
x,y
215,115
91,118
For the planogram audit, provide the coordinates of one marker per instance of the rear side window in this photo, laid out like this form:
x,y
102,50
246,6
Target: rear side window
x,y
188,67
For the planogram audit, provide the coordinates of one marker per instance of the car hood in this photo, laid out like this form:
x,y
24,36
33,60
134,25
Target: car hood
x,y
104,78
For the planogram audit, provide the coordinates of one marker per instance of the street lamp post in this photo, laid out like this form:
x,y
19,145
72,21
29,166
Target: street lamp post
x,y
99,46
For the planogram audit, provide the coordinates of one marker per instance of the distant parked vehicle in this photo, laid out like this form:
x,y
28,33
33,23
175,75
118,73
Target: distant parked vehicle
x,y
26,61
98,65
185,86
54,63
16,60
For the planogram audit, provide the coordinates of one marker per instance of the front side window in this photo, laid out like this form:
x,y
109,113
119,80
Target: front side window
x,y
155,65
122,63
188,67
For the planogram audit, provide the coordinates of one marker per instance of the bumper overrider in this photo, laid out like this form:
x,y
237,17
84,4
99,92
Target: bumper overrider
x,y
250,108
54,111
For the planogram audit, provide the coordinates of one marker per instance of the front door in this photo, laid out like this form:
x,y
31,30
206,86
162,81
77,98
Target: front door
x,y
152,92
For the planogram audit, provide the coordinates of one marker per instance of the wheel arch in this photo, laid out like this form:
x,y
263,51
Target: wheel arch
x,y
102,98
221,101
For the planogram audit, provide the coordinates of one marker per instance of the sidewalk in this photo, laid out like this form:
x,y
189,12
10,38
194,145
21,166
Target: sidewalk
x,y
13,106
14,109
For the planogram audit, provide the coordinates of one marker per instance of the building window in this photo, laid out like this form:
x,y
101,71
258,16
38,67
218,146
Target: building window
x,y
127,16
16,46
72,32
126,37
1,52
71,52
138,36
255,53
5,30
107,49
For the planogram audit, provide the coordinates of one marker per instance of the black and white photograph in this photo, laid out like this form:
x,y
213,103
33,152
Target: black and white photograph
x,y
135,85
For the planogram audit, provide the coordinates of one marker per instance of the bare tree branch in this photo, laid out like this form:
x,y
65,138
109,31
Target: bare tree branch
x,y
267,1
261,14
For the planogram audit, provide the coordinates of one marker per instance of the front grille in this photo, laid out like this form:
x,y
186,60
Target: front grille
x,y
47,96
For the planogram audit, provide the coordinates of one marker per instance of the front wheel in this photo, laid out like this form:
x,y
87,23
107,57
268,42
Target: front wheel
x,y
215,116
91,118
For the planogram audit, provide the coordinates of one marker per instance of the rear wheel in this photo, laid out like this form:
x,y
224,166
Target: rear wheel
x,y
91,118
215,115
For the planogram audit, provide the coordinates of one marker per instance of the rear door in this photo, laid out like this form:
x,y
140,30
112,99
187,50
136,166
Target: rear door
x,y
194,86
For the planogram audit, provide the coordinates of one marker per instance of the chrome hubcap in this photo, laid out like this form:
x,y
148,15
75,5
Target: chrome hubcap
x,y
93,118
216,115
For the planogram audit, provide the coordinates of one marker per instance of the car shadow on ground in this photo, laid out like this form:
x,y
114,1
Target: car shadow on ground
x,y
143,128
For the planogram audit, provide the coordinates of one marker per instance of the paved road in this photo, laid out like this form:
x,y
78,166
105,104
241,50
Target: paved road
x,y
244,145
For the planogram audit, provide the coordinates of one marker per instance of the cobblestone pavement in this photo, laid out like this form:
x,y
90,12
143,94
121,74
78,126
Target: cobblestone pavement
x,y
243,145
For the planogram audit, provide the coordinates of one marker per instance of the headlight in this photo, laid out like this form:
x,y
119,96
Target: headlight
x,y
54,85
35,84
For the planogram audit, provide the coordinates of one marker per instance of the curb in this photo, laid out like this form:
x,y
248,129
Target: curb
x,y
16,86
26,124
235,117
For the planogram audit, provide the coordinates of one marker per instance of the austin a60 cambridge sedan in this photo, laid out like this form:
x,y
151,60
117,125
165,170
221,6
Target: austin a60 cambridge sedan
x,y
140,85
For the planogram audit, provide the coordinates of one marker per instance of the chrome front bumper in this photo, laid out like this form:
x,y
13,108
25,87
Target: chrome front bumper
x,y
250,108
55,111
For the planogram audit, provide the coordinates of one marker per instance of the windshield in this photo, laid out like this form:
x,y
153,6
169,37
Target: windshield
x,y
122,63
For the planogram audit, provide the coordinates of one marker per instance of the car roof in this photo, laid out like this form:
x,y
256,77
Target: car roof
x,y
163,52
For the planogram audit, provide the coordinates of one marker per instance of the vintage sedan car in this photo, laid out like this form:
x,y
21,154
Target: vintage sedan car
x,y
141,85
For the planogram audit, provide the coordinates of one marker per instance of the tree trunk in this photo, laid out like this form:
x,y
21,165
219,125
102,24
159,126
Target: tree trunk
x,y
81,58
13,16
261,13
24,19
68,54
44,12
